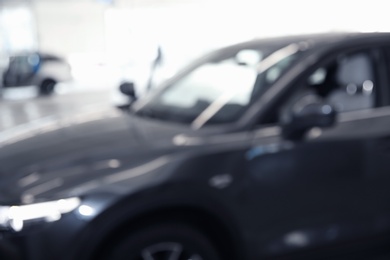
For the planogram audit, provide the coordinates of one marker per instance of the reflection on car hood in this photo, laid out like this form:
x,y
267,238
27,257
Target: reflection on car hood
x,y
45,161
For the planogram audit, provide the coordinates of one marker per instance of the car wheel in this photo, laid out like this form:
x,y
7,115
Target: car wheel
x,y
47,87
165,242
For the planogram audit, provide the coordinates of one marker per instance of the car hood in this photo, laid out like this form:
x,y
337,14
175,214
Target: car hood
x,y
55,157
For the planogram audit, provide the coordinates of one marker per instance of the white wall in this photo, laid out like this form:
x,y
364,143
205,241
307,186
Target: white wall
x,y
86,31
70,26
17,27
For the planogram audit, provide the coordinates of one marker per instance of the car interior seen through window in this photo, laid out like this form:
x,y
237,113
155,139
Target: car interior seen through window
x,y
346,83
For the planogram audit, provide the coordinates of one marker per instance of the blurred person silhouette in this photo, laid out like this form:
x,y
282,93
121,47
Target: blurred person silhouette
x,y
157,62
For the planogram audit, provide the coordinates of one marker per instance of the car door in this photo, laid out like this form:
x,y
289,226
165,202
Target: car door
x,y
21,70
330,188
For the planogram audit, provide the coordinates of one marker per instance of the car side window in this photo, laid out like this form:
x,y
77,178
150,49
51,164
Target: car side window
x,y
348,83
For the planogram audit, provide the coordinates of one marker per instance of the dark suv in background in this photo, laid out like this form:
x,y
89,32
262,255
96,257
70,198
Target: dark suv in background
x,y
36,69
269,149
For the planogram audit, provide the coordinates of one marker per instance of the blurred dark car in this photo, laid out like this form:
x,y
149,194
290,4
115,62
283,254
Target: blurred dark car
x,y
269,149
36,69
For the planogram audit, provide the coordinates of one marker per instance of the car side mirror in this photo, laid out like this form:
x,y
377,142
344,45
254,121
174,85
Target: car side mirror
x,y
128,89
309,116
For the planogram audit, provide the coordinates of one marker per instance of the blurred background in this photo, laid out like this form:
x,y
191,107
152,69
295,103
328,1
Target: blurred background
x,y
61,57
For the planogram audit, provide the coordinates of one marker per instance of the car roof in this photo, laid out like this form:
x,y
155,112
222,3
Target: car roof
x,y
315,40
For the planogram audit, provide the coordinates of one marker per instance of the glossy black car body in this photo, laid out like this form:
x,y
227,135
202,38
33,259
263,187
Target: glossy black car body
x,y
311,186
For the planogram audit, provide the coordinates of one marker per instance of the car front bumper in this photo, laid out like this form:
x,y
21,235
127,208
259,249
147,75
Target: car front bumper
x,y
43,241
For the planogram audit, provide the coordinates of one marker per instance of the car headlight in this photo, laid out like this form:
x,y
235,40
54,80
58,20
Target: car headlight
x,y
14,217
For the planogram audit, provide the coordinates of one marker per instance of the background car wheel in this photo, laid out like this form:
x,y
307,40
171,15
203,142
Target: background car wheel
x,y
47,87
165,242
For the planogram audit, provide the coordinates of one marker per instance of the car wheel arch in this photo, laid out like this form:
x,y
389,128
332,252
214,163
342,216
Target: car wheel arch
x,y
47,79
47,85
210,219
198,218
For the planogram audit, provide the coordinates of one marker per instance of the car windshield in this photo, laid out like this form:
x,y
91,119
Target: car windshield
x,y
220,89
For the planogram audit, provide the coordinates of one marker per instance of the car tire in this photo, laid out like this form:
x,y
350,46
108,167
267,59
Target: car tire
x,y
47,87
165,241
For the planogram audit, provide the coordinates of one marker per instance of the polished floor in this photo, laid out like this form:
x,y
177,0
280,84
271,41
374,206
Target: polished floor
x,y
21,108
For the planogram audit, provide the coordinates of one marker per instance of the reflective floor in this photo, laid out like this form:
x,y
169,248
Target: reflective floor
x,y
21,107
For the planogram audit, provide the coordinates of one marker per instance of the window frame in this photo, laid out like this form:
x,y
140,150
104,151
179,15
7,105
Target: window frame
x,y
386,72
